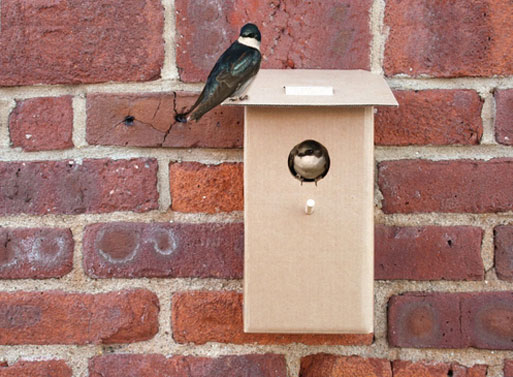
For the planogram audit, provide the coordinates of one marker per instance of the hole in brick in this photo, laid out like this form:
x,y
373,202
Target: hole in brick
x,y
129,120
309,161
450,373
449,242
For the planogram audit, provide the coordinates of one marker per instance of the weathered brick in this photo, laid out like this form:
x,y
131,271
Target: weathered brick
x,y
57,42
424,369
487,320
504,116
326,365
291,33
35,253
53,368
56,317
164,250
205,316
410,186
140,120
503,239
221,127
39,124
428,253
508,368
71,187
438,117
449,39
147,120
152,365
451,320
425,320
197,187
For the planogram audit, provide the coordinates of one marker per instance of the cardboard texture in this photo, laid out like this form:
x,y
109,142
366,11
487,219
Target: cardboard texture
x,y
350,88
309,273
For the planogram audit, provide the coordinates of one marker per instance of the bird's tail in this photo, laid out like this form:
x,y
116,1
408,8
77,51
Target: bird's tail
x,y
182,118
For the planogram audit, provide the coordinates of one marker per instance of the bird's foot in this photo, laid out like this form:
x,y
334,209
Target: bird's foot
x,y
236,99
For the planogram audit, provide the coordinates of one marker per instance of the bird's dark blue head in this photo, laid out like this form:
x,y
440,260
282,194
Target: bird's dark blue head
x,y
250,31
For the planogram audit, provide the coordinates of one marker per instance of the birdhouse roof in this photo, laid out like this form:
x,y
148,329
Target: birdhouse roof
x,y
317,87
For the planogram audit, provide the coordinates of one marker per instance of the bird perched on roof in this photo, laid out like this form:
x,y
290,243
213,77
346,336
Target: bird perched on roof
x,y
309,161
232,74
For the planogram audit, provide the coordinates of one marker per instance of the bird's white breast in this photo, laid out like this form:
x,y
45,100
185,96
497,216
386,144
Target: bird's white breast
x,y
309,166
250,42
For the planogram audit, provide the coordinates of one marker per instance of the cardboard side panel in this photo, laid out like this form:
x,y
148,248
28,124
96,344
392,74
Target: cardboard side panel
x,y
308,273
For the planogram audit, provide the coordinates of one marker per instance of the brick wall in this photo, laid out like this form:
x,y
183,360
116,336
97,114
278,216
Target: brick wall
x,y
121,244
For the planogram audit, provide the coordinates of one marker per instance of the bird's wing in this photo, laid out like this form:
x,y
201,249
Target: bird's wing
x,y
328,162
237,65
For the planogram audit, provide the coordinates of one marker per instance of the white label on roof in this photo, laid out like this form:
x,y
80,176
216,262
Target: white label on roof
x,y
309,90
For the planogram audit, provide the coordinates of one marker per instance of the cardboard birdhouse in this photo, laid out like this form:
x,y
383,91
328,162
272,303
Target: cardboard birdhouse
x,y
309,243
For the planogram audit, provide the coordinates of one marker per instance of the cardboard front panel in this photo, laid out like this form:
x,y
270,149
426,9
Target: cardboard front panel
x,y
308,273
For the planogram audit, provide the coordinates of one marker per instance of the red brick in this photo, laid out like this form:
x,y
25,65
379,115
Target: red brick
x,y
53,368
56,317
425,320
209,250
449,38
508,368
292,36
504,116
71,187
35,253
152,365
423,369
410,186
70,42
40,124
438,117
109,122
451,320
503,238
196,187
222,127
428,253
205,316
326,365
487,320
